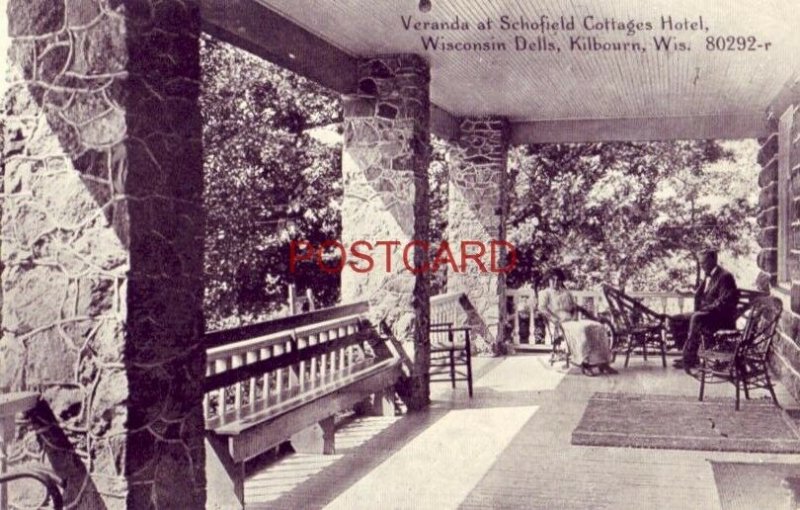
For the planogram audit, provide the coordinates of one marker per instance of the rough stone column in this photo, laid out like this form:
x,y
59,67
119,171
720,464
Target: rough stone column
x,y
102,248
786,359
794,218
786,352
768,210
477,210
385,163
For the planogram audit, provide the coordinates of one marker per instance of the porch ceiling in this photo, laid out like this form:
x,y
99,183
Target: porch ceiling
x,y
572,95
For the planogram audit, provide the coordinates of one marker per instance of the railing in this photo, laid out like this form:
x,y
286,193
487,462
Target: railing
x,y
447,309
594,301
255,369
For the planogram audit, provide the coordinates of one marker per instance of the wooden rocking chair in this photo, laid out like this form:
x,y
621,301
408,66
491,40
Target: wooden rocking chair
x,y
635,326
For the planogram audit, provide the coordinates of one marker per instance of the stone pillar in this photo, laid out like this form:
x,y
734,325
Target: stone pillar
x,y
477,212
768,210
385,164
793,229
786,352
102,248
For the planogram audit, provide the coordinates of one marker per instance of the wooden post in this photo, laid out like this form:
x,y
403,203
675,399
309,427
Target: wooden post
x,y
292,297
328,436
383,403
310,298
316,439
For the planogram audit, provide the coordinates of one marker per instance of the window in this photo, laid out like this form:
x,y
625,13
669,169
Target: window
x,y
784,194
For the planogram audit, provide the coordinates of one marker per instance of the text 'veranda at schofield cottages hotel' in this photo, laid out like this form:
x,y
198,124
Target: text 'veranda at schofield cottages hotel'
x,y
584,34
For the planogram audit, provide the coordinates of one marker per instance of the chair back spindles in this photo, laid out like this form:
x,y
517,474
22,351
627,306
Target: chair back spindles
x,y
451,354
636,326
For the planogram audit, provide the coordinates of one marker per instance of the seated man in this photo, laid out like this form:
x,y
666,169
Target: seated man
x,y
715,309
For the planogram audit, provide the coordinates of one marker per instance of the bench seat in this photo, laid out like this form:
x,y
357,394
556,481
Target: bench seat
x,y
256,433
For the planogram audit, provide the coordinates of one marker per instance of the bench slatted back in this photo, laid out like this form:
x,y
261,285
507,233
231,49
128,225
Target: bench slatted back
x,y
262,329
255,368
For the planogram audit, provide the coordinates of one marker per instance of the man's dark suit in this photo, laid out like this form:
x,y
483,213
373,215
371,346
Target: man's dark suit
x,y
715,309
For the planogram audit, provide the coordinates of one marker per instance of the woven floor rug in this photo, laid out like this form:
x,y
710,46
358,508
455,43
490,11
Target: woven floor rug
x,y
684,423
746,486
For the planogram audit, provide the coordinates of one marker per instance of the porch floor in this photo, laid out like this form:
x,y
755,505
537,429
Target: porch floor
x,y
508,447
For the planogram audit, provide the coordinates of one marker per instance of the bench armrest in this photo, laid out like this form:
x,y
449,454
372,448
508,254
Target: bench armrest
x,y
51,482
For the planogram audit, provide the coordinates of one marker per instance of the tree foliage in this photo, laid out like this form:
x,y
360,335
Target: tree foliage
x,y
627,213
267,181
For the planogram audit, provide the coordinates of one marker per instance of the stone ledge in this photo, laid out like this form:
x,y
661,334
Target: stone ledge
x,y
768,197
785,361
768,149
765,280
768,260
768,238
769,173
768,217
795,298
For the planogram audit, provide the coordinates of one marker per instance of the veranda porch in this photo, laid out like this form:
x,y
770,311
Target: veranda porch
x,y
102,203
509,447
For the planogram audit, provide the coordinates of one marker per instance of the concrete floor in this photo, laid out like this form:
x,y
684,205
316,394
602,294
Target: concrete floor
x,y
508,447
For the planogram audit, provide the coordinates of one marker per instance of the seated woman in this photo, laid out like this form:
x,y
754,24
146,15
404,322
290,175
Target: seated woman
x,y
587,339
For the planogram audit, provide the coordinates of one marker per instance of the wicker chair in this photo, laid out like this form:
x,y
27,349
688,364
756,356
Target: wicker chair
x,y
635,326
741,357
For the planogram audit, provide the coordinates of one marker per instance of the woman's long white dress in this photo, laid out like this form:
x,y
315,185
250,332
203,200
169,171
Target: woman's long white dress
x,y
587,339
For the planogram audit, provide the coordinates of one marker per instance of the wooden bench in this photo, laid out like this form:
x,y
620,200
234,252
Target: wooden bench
x,y
286,380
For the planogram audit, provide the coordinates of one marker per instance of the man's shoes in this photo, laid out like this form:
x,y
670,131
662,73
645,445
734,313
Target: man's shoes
x,y
678,363
691,369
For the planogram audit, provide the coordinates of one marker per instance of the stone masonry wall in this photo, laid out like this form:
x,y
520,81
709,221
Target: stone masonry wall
x,y
477,210
385,164
768,209
102,248
786,353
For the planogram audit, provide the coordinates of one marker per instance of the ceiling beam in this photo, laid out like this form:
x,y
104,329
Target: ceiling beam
x,y
645,129
443,124
251,26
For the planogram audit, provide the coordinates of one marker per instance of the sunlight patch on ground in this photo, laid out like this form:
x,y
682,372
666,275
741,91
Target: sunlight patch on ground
x,y
283,476
523,373
439,468
361,430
